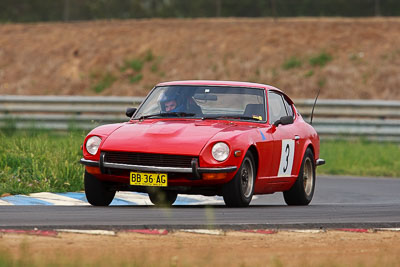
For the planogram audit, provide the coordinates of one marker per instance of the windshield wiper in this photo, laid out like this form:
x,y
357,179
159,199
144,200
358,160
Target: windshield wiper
x,y
239,117
167,114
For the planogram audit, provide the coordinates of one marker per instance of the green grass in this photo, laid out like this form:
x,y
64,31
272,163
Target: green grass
x,y
292,63
309,73
320,60
154,68
136,78
105,82
321,82
27,256
149,56
134,64
38,161
42,161
360,158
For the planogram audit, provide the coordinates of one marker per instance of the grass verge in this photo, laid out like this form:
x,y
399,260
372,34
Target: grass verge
x,y
41,161
360,157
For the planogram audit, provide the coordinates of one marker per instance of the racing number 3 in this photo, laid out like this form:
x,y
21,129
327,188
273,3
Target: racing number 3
x,y
287,155
287,152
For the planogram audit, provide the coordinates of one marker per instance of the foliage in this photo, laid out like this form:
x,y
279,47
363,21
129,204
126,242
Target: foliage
x,y
9,125
320,60
154,68
131,70
149,56
37,161
65,10
309,73
134,64
44,161
105,82
291,63
361,158
321,82
136,78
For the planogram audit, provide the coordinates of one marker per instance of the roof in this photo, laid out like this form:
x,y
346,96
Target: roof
x,y
225,83
219,83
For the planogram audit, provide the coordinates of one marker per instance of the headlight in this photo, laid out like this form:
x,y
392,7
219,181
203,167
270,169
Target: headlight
x,y
92,144
220,151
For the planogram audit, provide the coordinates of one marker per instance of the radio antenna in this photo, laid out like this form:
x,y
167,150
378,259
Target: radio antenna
x,y
315,102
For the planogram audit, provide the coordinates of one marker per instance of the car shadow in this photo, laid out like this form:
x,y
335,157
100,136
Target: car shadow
x,y
177,207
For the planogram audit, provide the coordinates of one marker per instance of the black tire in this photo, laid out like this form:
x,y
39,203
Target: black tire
x,y
302,190
98,193
239,191
162,198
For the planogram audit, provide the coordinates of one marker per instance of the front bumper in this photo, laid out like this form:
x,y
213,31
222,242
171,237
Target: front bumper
x,y
195,169
319,162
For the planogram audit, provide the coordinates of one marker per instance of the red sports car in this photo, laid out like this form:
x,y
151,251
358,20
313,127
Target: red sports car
x,y
232,139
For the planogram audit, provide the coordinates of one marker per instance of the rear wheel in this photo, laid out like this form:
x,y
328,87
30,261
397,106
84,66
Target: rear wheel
x,y
302,190
161,197
239,191
98,193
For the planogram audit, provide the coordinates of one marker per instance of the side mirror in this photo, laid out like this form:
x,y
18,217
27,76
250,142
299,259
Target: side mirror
x,y
130,111
285,120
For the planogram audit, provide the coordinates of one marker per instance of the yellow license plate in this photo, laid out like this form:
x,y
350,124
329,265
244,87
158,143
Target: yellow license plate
x,y
148,179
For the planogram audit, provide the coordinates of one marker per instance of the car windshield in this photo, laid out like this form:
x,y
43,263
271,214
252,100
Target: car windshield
x,y
206,102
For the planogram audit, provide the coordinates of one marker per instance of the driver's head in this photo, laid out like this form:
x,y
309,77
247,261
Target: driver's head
x,y
170,105
171,101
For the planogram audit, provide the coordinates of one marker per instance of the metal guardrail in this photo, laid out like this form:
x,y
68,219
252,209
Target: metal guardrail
x,y
372,119
63,112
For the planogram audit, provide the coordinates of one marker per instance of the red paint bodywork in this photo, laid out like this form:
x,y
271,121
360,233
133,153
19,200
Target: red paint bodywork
x,y
195,137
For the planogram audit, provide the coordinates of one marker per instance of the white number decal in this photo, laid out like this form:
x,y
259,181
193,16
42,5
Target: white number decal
x,y
287,155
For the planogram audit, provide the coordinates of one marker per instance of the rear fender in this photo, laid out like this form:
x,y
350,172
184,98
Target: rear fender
x,y
307,144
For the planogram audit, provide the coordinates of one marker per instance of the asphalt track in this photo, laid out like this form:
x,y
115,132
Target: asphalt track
x,y
339,202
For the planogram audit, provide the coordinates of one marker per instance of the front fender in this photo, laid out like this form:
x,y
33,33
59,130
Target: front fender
x,y
239,140
103,132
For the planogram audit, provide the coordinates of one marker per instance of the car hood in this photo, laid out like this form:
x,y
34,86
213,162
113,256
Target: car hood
x,y
184,137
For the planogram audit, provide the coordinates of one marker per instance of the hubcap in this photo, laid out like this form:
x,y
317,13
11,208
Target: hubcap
x,y
247,178
308,176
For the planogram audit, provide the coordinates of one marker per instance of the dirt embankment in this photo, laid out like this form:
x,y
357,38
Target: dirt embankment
x,y
347,58
332,248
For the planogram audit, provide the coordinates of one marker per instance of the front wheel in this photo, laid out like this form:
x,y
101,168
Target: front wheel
x,y
302,190
239,191
98,193
162,198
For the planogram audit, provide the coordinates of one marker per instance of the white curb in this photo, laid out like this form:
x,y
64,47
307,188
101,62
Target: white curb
x,y
5,203
203,231
58,199
89,232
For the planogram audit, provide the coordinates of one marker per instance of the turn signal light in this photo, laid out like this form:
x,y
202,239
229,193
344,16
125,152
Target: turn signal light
x,y
214,176
237,153
93,170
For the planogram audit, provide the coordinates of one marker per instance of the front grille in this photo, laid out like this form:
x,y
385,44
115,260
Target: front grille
x,y
147,159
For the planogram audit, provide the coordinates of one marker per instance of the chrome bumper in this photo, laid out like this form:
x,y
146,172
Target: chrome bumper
x,y
319,162
195,169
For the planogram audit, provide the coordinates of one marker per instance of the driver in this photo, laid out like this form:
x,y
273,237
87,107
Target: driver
x,y
171,102
170,105
179,100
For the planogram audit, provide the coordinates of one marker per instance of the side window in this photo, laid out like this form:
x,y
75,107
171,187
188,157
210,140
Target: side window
x,y
276,107
289,108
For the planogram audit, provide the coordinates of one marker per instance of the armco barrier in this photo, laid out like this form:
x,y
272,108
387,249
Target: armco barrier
x,y
332,118
63,112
